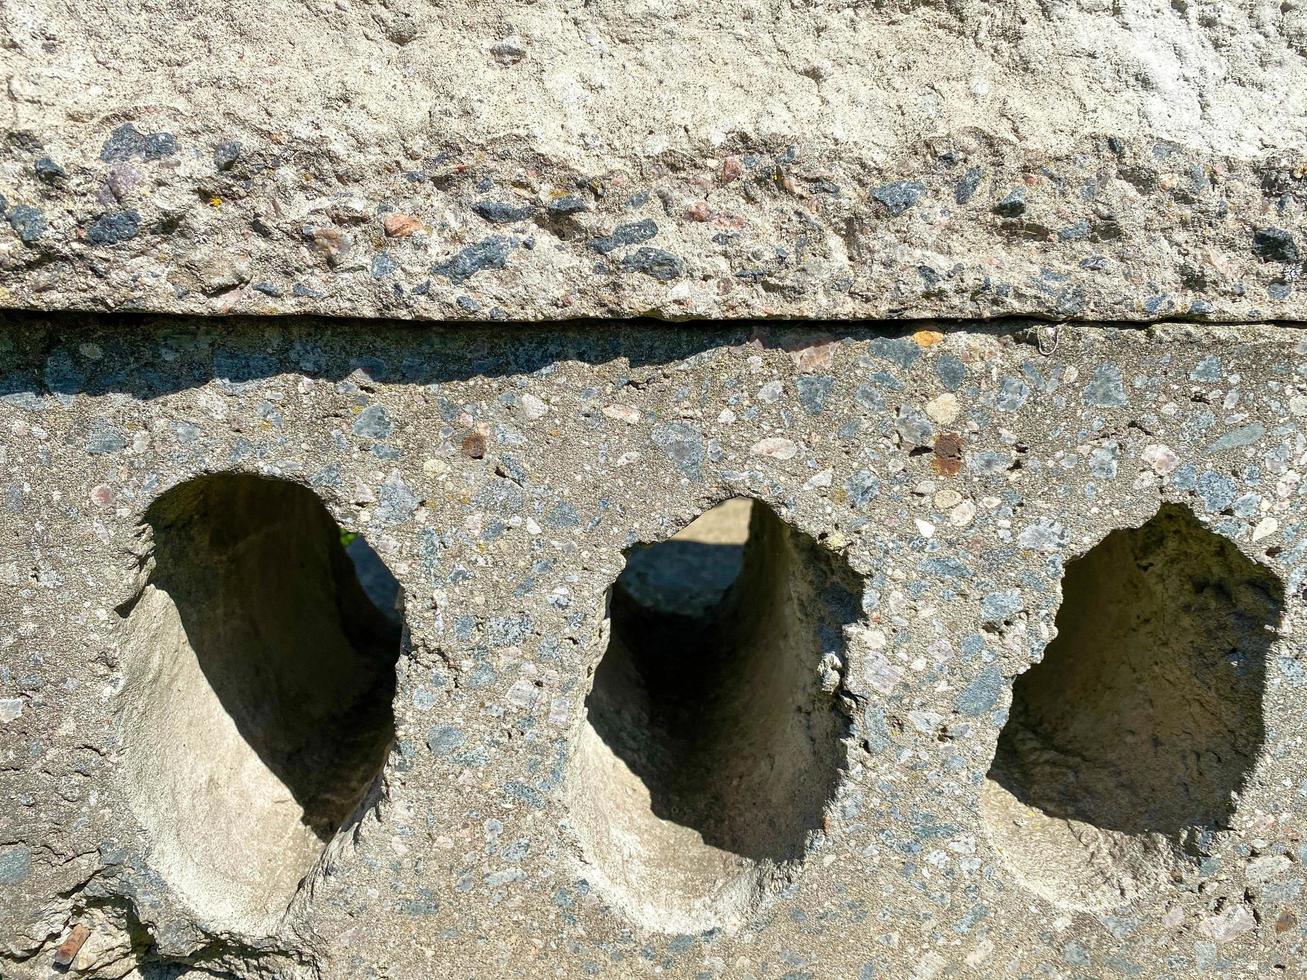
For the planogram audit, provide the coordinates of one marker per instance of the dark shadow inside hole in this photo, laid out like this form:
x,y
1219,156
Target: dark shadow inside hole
x,y
708,690
1145,714
277,612
380,587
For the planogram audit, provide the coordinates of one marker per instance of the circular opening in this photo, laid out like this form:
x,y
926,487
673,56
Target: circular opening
x,y
714,737
260,665
1133,735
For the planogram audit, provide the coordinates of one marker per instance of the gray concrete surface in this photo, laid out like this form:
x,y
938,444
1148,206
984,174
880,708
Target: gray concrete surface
x,y
203,762
924,605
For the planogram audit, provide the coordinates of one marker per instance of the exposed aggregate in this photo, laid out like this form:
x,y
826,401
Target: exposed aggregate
x,y
145,219
500,473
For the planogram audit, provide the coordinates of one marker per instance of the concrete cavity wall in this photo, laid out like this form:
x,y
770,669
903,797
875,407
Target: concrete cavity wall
x,y
344,649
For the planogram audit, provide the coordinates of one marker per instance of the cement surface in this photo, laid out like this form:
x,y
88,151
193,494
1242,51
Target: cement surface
x,y
501,474
720,158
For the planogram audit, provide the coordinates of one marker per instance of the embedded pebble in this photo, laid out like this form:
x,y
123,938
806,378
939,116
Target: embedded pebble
x,y
947,498
775,448
1162,459
963,514
944,409
1228,925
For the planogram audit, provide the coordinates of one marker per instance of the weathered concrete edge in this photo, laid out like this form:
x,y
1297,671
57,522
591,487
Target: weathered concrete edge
x,y
965,226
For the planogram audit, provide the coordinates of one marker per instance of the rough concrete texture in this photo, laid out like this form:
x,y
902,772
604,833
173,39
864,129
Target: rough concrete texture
x,y
564,158
1000,673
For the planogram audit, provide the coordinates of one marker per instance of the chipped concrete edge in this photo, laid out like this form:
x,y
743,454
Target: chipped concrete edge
x,y
964,226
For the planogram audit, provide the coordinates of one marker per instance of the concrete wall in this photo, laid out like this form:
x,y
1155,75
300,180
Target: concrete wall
x,y
226,748
630,488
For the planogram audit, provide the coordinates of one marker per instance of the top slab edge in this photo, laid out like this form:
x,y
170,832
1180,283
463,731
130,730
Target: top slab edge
x,y
717,160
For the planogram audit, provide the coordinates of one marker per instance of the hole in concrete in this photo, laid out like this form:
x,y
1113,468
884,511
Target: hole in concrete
x,y
1142,722
260,664
714,737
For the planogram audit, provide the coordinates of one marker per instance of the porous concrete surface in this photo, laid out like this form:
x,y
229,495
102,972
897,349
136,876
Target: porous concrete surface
x,y
1141,159
501,474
